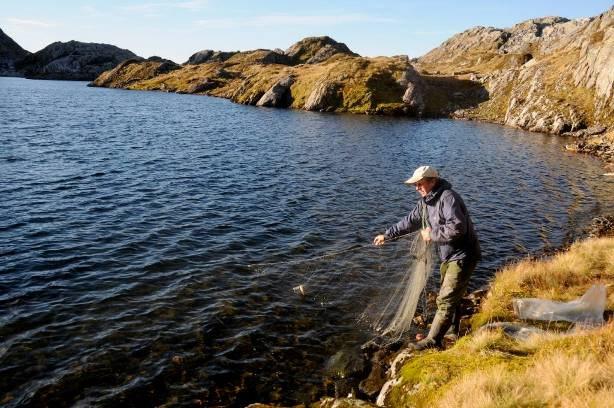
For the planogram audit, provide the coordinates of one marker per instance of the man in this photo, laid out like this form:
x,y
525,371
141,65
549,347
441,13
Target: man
x,y
443,219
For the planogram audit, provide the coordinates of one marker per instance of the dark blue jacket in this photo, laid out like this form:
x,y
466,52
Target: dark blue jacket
x,y
451,226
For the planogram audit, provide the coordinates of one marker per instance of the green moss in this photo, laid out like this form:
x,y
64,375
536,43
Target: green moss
x,y
428,376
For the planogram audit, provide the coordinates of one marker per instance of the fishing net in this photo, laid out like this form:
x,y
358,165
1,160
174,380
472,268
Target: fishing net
x,y
379,287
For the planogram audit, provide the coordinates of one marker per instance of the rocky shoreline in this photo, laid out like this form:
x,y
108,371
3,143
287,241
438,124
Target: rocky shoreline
x,y
550,75
366,378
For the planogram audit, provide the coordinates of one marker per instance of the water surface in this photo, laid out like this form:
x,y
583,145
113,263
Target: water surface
x,y
128,221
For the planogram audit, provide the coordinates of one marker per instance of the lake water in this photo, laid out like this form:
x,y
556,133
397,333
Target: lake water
x,y
129,221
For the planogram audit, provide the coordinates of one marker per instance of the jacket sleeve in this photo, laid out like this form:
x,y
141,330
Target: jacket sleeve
x,y
454,221
409,223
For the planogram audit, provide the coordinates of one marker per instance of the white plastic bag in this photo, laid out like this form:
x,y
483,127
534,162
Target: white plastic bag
x,y
586,311
514,330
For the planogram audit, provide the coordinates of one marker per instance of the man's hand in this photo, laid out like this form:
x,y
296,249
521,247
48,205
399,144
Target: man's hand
x,y
379,240
426,234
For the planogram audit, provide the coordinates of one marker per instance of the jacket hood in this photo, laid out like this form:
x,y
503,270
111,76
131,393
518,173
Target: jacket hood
x,y
435,193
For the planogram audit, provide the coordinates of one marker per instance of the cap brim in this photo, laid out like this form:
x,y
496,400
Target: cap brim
x,y
413,180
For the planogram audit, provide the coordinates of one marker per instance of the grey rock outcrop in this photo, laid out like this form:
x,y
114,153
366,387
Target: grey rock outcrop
x,y
595,68
325,97
73,60
203,56
522,36
10,54
414,86
279,95
550,74
313,50
272,57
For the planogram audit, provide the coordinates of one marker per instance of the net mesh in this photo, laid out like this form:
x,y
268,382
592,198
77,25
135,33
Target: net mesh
x,y
379,287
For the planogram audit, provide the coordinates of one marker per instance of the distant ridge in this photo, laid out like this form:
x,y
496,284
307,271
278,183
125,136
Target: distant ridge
x,y
10,54
73,60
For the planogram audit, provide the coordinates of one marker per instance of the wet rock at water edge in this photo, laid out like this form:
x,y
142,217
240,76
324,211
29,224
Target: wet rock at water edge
x,y
590,131
346,368
374,382
602,226
344,403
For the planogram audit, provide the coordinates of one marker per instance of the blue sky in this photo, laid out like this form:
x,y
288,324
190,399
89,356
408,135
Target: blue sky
x,y
177,28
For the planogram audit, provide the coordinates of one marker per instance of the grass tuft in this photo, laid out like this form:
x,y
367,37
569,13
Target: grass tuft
x,y
490,369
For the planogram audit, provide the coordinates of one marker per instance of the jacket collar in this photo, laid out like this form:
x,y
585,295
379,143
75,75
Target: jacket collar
x,y
435,193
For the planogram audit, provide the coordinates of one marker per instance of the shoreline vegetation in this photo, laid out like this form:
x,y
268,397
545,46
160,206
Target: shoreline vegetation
x,y
488,368
561,366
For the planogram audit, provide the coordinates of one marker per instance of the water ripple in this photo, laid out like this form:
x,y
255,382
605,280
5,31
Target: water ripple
x,y
129,220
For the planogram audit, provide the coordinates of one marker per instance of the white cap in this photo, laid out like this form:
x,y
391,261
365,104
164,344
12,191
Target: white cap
x,y
422,172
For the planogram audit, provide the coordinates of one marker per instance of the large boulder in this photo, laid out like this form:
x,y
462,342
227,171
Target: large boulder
x,y
325,97
413,97
73,60
10,54
279,95
313,50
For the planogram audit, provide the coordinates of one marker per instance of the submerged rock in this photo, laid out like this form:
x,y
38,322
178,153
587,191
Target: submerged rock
x,y
374,382
346,368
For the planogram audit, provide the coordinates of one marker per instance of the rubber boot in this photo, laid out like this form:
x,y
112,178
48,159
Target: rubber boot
x,y
439,327
454,330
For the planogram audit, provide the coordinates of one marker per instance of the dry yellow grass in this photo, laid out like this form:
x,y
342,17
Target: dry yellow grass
x,y
557,374
566,276
490,369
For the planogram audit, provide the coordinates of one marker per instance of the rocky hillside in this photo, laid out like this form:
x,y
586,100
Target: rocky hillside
x,y
73,60
10,53
316,73
546,75
549,74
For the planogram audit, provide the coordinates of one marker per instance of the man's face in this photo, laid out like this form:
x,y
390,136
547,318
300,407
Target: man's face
x,y
423,187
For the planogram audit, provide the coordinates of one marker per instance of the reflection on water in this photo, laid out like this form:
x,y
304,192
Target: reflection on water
x,y
130,221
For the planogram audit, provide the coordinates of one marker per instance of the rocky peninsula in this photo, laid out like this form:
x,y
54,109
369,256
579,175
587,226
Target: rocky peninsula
x,y
549,74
